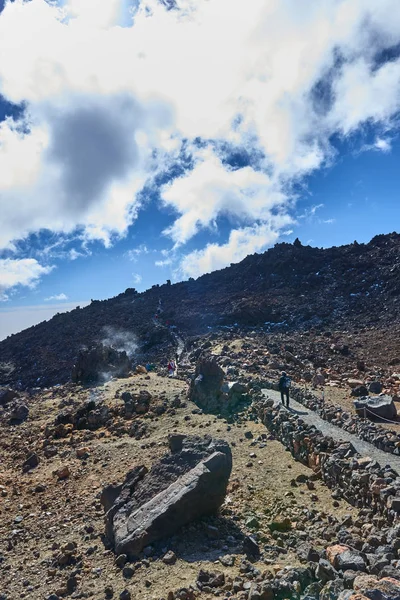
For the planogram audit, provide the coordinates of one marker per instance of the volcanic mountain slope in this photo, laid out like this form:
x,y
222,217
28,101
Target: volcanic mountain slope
x,y
350,287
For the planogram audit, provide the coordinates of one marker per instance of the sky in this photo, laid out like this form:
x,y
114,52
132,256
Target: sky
x,y
146,140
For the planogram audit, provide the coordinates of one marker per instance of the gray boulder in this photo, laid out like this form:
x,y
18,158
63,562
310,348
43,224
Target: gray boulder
x,y
350,560
151,505
18,412
209,391
381,407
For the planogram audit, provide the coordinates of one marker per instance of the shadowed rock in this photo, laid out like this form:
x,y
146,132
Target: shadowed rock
x,y
187,484
99,364
209,391
381,407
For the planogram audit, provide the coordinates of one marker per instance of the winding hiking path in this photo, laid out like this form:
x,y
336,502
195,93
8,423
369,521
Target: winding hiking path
x,y
311,418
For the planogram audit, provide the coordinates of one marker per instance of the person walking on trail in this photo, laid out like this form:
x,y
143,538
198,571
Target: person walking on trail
x,y
284,385
171,368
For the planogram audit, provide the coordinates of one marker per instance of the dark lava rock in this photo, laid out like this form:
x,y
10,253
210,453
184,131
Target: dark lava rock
x,y
360,390
350,560
18,413
31,462
250,547
209,391
375,387
151,505
99,363
7,395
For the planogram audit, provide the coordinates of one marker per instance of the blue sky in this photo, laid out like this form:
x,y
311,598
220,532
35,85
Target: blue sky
x,y
145,141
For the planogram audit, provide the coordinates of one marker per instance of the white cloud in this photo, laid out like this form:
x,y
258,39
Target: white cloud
x,y
163,263
24,272
210,190
383,145
242,242
57,298
280,77
136,278
134,253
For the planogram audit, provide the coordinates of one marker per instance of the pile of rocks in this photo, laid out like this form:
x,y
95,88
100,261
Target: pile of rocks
x,y
89,415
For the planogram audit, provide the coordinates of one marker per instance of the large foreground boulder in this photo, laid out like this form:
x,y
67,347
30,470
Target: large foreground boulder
x,y
99,363
381,407
209,391
151,505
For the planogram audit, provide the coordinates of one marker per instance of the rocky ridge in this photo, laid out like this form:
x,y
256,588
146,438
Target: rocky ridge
x,y
290,286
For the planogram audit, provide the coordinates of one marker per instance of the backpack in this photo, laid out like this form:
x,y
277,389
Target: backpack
x,y
287,382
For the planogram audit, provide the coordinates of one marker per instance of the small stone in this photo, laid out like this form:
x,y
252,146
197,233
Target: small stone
x,y
83,453
128,572
125,595
31,462
62,473
72,584
120,561
169,558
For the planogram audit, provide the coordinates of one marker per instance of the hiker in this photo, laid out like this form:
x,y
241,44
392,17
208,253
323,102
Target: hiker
x,y
171,368
284,385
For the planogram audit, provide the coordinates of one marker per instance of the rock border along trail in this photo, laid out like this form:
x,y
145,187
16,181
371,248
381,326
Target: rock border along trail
x,y
326,428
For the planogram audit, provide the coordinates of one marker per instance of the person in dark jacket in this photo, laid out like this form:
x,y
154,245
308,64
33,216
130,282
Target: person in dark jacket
x,y
284,385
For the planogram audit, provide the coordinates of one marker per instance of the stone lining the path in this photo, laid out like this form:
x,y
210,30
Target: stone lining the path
x,y
383,439
361,481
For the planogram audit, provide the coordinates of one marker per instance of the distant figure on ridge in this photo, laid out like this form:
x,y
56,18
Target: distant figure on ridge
x,y
284,385
171,368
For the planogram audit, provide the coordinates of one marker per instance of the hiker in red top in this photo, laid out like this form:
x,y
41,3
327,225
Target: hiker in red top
x,y
171,368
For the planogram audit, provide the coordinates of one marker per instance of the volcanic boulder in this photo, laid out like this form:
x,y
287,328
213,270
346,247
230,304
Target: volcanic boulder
x,y
151,505
99,363
381,407
18,412
7,395
209,391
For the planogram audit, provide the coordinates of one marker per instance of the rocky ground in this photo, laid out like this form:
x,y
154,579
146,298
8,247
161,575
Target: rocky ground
x,y
280,527
52,523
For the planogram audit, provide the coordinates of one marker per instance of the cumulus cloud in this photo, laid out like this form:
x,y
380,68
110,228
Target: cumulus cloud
x,y
57,298
242,242
25,272
278,79
210,190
